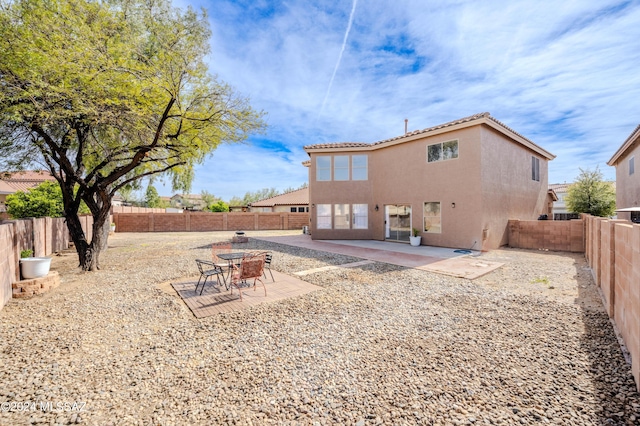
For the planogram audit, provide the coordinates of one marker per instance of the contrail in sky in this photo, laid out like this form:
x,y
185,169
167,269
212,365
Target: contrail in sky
x,y
344,44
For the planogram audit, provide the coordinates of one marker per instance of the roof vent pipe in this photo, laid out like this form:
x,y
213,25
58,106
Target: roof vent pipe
x,y
406,123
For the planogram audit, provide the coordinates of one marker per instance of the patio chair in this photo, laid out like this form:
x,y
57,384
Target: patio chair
x,y
219,248
268,257
251,267
208,269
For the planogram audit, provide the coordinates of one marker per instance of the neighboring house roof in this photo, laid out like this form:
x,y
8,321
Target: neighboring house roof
x,y
631,140
6,188
297,197
472,120
560,187
187,196
11,182
564,187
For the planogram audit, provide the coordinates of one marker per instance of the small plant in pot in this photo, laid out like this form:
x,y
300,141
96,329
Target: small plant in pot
x,y
33,267
415,237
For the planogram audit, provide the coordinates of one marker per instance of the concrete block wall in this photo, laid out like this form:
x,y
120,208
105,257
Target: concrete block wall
x,y
132,209
202,222
613,253
565,235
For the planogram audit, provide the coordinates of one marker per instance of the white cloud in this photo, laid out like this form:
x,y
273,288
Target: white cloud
x,y
564,74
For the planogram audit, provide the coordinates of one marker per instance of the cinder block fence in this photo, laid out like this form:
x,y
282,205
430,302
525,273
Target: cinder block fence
x,y
613,253
202,222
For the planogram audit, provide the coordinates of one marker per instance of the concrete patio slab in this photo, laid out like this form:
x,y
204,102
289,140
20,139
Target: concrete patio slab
x,y
440,260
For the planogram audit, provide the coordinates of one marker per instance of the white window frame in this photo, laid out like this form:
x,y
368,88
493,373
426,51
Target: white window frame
x,y
359,171
441,156
341,167
535,168
360,216
428,220
323,173
323,216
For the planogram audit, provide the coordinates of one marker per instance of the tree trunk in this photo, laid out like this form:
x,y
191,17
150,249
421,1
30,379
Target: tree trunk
x,y
89,253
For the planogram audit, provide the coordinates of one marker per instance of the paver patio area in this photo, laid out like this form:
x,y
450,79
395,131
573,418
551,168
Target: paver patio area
x,y
216,299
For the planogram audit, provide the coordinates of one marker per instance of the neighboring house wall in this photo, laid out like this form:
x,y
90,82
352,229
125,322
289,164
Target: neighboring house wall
x,y
488,183
284,203
626,160
627,183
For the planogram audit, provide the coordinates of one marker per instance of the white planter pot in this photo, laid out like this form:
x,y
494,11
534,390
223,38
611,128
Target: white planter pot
x,y
415,241
112,228
35,267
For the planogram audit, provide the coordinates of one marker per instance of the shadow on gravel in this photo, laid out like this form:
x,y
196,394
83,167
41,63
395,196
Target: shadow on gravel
x,y
615,389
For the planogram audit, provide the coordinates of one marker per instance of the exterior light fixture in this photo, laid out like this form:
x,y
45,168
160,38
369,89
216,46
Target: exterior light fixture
x,y
376,207
453,205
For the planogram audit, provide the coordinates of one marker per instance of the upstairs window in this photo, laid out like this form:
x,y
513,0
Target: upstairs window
x,y
359,167
535,169
442,151
631,166
323,168
341,167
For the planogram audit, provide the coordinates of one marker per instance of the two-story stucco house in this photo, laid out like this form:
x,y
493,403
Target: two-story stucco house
x,y
458,183
627,180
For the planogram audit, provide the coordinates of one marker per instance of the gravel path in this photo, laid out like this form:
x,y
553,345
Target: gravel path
x,y
526,344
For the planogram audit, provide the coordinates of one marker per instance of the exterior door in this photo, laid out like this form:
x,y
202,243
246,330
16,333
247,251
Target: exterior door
x,y
397,220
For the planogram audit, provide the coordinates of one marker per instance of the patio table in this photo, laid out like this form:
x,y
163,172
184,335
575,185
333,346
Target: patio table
x,y
231,258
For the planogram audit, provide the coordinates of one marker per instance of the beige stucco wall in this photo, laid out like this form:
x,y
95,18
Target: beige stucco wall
x,y
402,175
488,184
508,191
342,192
628,186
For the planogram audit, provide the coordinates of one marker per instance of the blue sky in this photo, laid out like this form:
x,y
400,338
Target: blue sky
x,y
564,74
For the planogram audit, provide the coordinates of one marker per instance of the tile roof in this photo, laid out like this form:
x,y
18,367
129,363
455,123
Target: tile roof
x,y
560,187
27,175
11,182
470,119
297,197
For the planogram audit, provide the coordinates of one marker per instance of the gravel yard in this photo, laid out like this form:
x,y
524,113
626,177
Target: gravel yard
x,y
526,344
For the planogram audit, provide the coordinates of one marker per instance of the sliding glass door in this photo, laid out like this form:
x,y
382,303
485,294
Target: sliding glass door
x,y
397,220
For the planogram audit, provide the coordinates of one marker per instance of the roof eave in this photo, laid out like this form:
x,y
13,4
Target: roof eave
x,y
488,120
623,148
